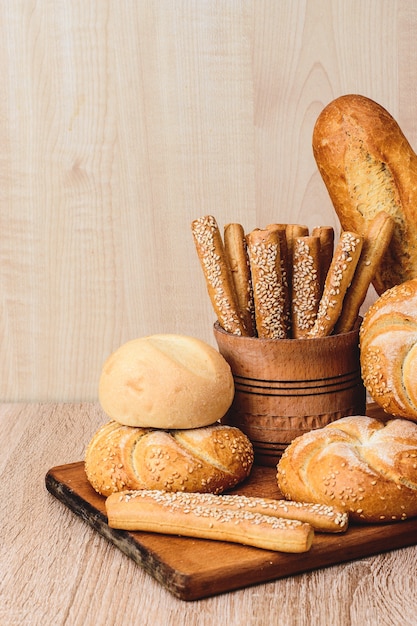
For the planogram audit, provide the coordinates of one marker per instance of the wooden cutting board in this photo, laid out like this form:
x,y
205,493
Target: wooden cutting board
x,y
195,568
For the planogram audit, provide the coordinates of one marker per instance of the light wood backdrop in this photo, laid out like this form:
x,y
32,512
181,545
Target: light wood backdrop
x,y
123,120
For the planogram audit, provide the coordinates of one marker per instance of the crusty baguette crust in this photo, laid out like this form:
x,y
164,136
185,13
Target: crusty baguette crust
x,y
368,165
160,512
209,459
388,350
365,466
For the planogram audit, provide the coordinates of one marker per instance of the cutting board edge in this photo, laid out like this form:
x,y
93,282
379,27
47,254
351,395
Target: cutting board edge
x,y
177,583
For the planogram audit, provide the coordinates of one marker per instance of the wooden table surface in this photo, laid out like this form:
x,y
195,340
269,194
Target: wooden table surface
x,y
56,570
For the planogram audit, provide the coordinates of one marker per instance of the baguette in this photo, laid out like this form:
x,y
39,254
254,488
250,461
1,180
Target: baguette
x,y
210,250
376,241
339,277
171,513
368,166
237,256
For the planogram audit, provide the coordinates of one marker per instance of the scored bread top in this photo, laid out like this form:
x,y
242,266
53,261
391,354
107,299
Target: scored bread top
x,y
368,165
166,381
208,459
366,466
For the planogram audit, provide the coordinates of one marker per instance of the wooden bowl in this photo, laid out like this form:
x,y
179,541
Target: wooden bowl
x,y
286,387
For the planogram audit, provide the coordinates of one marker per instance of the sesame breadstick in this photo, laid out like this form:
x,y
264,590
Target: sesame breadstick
x,y
235,247
268,290
306,290
170,513
376,241
339,277
326,235
286,268
210,250
293,231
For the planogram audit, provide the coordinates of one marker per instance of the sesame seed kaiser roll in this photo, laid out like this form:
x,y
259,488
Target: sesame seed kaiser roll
x,y
365,466
388,349
166,381
210,459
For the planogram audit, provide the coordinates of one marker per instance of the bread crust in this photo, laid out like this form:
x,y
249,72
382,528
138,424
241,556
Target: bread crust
x,y
368,165
323,518
366,466
236,251
166,381
195,517
388,350
217,273
209,459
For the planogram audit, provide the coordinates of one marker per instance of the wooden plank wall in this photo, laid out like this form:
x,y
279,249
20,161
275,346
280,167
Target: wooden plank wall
x,y
123,120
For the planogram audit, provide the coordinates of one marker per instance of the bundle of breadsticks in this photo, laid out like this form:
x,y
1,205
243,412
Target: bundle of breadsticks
x,y
282,281
278,525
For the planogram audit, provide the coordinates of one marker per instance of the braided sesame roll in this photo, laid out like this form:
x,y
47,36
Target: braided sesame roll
x,y
326,235
376,241
235,247
338,279
306,290
268,288
210,250
172,513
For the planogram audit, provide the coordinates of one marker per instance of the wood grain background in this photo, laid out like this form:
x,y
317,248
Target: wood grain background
x,y
123,120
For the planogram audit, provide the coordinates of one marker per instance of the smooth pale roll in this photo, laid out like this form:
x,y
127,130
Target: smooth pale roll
x,y
166,381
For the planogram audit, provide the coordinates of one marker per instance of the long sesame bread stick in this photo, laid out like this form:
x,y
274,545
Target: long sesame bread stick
x,y
306,289
169,513
292,231
322,517
210,250
286,269
339,277
376,241
326,235
268,289
235,247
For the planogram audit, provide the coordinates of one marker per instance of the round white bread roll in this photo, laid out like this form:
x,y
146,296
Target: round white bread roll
x,y
166,381
388,349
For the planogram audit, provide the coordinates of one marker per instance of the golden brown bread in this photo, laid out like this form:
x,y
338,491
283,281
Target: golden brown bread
x,y
323,518
166,381
171,513
366,466
236,251
368,165
376,240
388,349
208,459
217,273
306,289
269,289
338,279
